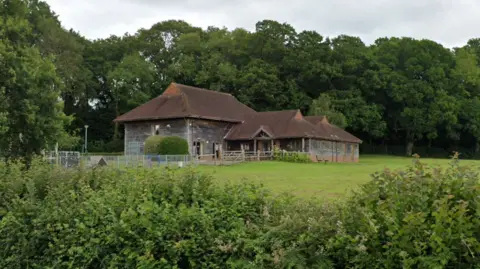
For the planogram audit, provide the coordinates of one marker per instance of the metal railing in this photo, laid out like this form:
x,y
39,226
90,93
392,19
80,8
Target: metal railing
x,y
66,159
147,161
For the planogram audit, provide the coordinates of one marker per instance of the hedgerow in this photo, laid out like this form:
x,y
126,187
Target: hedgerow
x,y
293,157
422,217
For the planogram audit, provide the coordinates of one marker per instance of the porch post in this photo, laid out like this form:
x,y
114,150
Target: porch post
x,y
303,144
273,145
310,145
255,145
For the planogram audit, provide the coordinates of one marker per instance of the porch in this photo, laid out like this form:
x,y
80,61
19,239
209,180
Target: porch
x,y
319,150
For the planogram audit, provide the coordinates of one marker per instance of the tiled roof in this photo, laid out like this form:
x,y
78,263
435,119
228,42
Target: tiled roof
x,y
315,119
330,131
181,101
289,124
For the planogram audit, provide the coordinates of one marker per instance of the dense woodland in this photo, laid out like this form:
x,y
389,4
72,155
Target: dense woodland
x,y
400,95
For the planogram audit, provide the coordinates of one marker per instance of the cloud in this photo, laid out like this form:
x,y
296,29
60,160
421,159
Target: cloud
x,y
449,22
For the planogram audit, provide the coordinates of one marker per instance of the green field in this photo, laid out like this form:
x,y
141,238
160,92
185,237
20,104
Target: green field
x,y
331,180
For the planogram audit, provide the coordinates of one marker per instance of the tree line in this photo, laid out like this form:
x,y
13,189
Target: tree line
x,y
399,92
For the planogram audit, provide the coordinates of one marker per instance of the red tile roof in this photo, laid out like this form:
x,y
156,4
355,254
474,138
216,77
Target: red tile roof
x,y
181,101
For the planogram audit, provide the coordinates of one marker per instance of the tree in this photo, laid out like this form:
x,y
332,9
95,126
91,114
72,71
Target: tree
x,y
416,83
322,106
361,116
258,86
131,84
33,116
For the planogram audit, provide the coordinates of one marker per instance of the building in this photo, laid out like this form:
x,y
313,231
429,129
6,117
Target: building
x,y
213,122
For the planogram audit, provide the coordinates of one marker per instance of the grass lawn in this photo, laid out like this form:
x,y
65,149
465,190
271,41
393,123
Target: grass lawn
x,y
331,180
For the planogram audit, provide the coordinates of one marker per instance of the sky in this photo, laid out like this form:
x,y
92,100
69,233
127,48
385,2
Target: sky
x,y
449,22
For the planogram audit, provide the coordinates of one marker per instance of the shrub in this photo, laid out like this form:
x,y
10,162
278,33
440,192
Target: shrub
x,y
421,217
152,145
116,145
294,157
173,145
99,146
105,218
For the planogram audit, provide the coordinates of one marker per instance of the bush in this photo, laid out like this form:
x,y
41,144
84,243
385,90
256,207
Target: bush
x,y
100,146
422,217
116,145
152,145
293,157
173,145
105,218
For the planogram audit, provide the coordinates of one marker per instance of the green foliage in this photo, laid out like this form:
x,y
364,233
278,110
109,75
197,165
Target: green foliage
x,y
293,157
173,145
397,91
152,144
113,146
323,107
144,219
421,217
31,114
131,82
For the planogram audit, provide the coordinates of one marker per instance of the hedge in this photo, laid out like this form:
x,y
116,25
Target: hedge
x,y
289,156
152,144
420,217
166,145
173,145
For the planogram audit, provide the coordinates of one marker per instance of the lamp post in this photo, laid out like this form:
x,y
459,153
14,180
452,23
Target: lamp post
x,y
86,128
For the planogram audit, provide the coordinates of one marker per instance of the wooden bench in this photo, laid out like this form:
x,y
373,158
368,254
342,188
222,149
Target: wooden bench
x,y
321,160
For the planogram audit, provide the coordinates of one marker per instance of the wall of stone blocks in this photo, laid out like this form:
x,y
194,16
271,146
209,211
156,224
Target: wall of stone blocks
x,y
136,133
333,151
208,133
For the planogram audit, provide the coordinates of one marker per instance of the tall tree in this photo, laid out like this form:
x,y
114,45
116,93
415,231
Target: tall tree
x,y
415,75
30,88
131,83
323,106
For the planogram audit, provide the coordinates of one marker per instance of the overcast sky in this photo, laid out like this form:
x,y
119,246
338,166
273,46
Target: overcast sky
x,y
450,22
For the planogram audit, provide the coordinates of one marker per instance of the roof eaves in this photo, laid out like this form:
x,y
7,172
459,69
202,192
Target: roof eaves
x,y
264,130
179,117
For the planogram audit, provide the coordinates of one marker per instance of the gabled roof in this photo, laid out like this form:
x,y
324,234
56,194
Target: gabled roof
x,y
316,119
279,124
182,101
289,124
329,130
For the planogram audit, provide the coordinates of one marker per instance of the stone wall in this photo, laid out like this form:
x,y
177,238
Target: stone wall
x,y
208,133
136,133
334,151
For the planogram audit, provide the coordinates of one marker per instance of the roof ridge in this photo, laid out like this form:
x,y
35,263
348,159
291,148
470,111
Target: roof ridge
x,y
202,89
